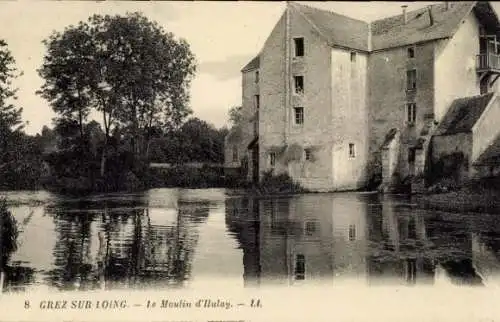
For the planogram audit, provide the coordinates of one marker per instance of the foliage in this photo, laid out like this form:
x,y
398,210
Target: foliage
x,y
194,141
10,116
277,184
19,155
126,67
235,115
8,235
447,167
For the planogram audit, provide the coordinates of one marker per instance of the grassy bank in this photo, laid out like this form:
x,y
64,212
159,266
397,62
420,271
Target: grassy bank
x,y
481,196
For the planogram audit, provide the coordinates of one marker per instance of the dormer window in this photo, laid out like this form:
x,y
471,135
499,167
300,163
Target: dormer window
x,y
299,47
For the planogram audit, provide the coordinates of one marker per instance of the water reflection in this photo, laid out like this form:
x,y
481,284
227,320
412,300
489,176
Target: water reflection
x,y
327,239
169,237
120,244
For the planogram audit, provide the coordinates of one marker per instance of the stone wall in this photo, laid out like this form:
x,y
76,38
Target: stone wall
x,y
388,96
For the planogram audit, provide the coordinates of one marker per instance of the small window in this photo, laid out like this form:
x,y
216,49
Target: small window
x,y
257,77
299,84
411,52
299,115
235,154
310,228
300,267
307,154
352,232
257,101
411,155
352,150
299,47
272,159
411,112
411,80
353,56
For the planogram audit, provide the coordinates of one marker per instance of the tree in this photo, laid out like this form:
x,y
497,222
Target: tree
x,y
126,67
10,116
67,83
235,115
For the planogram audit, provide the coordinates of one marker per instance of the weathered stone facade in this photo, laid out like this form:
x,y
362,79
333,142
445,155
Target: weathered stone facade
x,y
362,81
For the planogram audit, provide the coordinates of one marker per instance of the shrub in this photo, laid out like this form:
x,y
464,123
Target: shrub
x,y
281,183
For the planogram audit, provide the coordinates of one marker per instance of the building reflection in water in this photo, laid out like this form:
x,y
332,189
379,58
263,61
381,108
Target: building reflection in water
x,y
110,245
287,241
327,239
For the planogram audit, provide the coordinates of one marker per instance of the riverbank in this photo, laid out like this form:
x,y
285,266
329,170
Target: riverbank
x,y
478,196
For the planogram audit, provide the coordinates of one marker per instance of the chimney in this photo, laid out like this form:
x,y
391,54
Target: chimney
x,y
431,17
405,16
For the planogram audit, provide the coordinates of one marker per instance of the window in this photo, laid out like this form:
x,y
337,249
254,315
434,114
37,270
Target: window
x,y
352,150
299,47
353,56
310,228
299,115
411,155
352,233
272,159
299,84
411,79
300,267
411,52
307,153
257,101
411,112
235,154
257,77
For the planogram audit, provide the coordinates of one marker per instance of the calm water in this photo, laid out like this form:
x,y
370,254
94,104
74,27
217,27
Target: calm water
x,y
169,238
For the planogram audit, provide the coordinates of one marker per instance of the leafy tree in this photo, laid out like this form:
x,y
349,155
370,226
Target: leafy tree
x,y
19,163
10,116
126,67
235,115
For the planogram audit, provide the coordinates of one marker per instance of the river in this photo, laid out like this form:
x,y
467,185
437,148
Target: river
x,y
178,238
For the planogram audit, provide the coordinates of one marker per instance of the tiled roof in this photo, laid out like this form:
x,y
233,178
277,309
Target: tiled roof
x,y
463,114
393,32
253,64
338,29
491,155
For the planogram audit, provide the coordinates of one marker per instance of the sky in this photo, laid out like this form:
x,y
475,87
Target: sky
x,y
223,36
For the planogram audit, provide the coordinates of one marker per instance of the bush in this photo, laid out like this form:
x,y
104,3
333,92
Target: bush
x,y
9,233
281,183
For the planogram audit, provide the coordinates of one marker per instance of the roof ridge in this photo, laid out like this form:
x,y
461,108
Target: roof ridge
x,y
295,3
400,14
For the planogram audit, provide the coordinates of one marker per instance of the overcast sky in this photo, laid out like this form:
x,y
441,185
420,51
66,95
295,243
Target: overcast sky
x,y
224,36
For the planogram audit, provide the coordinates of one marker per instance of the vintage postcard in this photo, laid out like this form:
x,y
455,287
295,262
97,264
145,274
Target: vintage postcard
x,y
249,161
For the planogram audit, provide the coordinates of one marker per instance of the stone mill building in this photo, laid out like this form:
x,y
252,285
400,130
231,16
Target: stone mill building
x,y
339,103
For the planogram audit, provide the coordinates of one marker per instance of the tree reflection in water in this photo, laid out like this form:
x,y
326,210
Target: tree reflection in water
x,y
119,246
14,275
